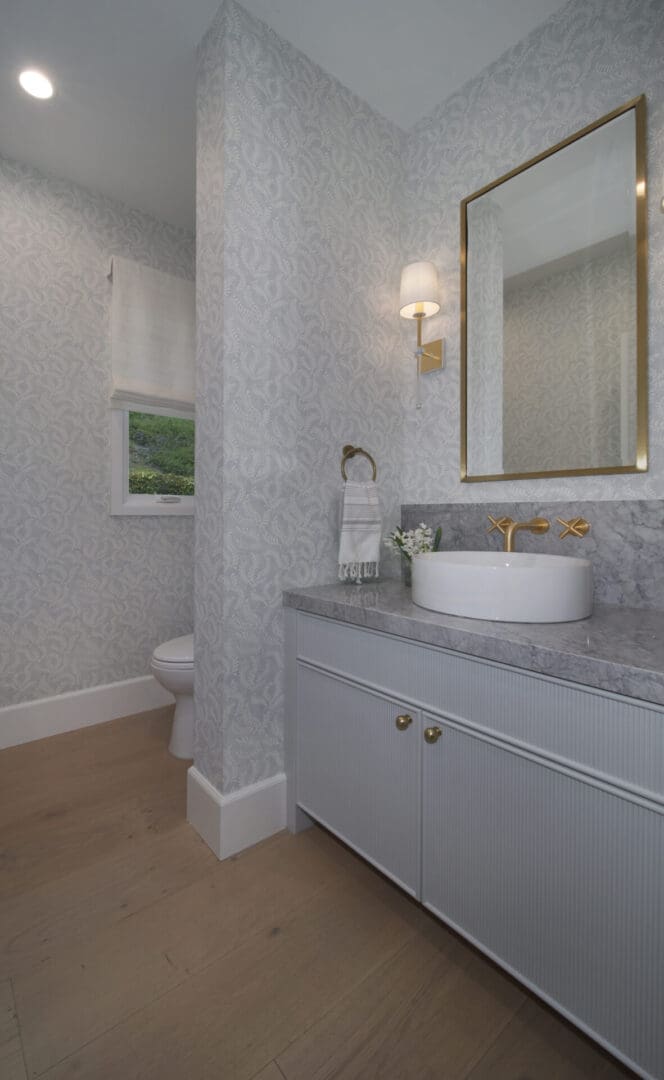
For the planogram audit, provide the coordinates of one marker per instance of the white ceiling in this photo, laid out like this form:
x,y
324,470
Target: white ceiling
x,y
403,56
122,121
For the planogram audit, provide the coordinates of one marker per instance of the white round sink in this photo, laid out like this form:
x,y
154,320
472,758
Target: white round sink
x,y
505,587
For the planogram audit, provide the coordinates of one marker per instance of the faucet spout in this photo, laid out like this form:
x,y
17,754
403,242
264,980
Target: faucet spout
x,y
537,525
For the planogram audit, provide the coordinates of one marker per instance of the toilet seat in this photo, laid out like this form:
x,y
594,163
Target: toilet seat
x,y
179,652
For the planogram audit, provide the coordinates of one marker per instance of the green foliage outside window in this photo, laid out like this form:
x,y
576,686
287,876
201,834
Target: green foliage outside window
x,y
161,455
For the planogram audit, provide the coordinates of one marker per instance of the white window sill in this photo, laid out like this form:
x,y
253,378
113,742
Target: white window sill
x,y
152,504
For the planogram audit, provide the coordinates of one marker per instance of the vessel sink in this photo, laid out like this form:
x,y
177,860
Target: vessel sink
x,y
505,587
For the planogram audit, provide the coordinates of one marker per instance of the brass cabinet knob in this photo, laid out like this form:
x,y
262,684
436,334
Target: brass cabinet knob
x,y
403,722
432,734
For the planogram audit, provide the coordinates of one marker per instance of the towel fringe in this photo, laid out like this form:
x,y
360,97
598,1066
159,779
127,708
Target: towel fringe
x,y
353,571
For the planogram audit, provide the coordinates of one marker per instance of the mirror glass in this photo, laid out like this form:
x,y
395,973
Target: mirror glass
x,y
553,335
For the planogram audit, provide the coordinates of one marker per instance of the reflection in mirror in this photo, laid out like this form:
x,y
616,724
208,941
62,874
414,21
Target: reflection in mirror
x,y
553,334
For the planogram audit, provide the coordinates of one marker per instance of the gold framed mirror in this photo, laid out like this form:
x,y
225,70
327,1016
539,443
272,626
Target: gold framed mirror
x,y
554,310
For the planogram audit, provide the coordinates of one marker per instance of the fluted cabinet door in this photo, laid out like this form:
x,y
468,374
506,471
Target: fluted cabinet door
x,y
358,773
560,878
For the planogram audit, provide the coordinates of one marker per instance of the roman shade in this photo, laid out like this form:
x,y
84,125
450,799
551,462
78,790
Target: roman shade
x,y
153,337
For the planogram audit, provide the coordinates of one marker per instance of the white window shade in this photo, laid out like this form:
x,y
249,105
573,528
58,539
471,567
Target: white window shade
x,y
153,338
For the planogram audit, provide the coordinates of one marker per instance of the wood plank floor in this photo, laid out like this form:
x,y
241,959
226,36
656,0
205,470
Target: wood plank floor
x,y
127,952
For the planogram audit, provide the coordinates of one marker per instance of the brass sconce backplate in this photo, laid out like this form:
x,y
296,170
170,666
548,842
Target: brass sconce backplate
x,y
432,357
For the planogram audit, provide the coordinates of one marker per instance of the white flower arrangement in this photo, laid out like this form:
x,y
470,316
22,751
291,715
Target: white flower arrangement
x,y
414,541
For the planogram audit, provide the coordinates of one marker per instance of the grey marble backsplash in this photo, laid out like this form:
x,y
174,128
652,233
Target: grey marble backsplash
x,y
625,543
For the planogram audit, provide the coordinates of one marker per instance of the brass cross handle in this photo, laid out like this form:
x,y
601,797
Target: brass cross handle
x,y
501,524
575,527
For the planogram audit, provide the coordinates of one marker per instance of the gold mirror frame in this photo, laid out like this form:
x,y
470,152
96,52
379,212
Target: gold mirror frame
x,y
641,464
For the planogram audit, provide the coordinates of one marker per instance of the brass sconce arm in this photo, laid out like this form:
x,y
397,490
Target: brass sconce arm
x,y
418,299
430,356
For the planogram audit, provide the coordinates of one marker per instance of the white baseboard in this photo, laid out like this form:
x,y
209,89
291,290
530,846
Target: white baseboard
x,y
230,823
66,712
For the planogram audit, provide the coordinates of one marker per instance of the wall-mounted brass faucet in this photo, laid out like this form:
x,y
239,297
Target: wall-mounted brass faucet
x,y
509,528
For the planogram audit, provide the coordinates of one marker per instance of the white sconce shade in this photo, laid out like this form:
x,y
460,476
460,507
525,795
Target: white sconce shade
x,y
419,290
418,299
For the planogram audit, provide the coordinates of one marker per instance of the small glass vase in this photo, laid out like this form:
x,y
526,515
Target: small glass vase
x,y
406,572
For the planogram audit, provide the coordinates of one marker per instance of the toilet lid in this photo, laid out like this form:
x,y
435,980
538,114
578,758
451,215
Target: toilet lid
x,y
178,651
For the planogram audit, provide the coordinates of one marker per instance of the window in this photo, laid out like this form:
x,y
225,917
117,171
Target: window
x,y
152,462
152,402
161,454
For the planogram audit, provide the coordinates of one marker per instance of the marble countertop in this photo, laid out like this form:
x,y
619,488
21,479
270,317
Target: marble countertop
x,y
619,649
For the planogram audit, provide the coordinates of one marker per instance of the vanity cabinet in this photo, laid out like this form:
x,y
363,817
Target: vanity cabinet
x,y
557,878
359,770
525,812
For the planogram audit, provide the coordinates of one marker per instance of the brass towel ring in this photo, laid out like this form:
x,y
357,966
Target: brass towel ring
x,y
350,451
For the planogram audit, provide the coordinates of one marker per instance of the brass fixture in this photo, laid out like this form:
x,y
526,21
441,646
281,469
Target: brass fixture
x,y
500,524
350,451
432,734
577,526
537,525
430,355
403,722
418,299
509,528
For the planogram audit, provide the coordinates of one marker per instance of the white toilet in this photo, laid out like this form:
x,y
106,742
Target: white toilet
x,y
173,666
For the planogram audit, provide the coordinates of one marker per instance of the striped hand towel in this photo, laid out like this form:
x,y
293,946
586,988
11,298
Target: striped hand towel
x,y
359,545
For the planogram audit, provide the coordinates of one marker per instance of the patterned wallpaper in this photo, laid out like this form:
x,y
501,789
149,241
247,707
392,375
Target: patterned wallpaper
x,y
298,267
563,346
485,336
590,57
84,597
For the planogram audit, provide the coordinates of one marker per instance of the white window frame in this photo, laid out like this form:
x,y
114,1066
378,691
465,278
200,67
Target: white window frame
x,y
122,502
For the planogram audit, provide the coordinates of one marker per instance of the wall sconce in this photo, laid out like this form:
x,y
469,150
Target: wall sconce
x,y
418,300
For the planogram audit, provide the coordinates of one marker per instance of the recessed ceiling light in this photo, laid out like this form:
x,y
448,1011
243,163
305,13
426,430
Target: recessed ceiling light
x,y
36,84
